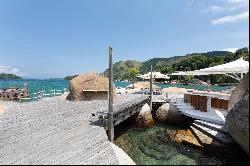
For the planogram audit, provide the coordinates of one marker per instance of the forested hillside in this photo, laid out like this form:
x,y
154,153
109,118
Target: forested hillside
x,y
9,76
181,63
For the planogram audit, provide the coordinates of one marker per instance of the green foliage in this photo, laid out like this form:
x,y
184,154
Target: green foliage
x,y
70,77
133,71
121,69
189,62
9,76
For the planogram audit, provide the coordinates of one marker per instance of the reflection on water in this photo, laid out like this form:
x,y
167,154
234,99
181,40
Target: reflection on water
x,y
155,146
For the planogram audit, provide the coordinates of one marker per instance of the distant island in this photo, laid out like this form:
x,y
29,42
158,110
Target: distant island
x,y
9,76
70,77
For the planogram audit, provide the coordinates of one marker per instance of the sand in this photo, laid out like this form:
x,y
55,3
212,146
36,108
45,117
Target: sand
x,y
175,89
143,85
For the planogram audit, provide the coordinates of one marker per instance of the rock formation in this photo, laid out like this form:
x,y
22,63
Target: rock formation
x,y
169,113
89,86
237,120
145,118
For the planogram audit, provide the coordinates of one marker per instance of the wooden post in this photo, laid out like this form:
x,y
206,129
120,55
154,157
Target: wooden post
x,y
241,75
151,89
208,82
209,103
110,114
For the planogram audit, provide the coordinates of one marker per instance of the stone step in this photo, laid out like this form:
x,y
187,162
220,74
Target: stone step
x,y
218,136
213,126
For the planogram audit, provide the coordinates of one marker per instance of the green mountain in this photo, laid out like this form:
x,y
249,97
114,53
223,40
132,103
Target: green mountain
x,y
9,76
188,62
121,69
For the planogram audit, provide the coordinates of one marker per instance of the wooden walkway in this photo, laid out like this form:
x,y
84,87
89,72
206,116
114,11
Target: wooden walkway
x,y
58,132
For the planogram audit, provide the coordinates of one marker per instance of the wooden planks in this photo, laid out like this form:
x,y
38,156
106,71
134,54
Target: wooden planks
x,y
199,101
57,132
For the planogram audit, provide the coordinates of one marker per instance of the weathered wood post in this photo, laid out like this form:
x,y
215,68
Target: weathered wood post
x,y
110,114
151,88
208,86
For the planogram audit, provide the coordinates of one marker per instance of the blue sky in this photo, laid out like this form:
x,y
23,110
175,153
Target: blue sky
x,y
55,38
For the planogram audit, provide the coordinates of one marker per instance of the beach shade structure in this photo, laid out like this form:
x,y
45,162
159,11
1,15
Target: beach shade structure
x,y
234,69
89,86
155,75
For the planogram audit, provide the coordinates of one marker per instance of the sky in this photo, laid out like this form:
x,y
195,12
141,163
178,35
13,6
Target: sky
x,y
56,38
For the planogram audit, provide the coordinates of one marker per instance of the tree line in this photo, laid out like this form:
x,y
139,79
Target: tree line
x,y
9,76
129,69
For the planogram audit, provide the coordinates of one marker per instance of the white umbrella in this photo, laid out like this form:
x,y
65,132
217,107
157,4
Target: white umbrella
x,y
156,75
239,66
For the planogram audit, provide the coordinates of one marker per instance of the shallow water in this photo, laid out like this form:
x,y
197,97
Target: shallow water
x,y
153,146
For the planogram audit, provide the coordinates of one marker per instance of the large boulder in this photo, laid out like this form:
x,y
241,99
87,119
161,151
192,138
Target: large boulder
x,y
237,120
144,118
89,86
169,113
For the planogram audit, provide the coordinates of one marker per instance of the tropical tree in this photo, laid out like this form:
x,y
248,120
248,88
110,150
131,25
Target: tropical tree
x,y
133,72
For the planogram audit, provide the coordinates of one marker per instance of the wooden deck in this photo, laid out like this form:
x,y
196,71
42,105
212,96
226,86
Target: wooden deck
x,y
59,132
216,115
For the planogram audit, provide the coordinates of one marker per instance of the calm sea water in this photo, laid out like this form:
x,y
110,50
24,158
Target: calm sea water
x,y
36,85
152,146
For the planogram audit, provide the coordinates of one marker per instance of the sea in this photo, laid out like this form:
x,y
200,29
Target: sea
x,y
49,85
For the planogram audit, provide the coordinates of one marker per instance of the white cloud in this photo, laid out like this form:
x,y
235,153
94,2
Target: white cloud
x,y
188,5
213,8
11,70
229,5
238,1
231,18
233,50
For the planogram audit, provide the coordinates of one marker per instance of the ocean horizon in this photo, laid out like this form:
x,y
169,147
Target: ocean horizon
x,y
48,85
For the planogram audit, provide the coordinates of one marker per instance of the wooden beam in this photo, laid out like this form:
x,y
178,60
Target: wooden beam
x,y
151,88
110,115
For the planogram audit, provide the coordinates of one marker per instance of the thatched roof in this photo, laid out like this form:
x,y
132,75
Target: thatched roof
x,y
87,82
90,81
143,85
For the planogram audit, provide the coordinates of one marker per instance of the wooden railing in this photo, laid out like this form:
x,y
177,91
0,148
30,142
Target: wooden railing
x,y
204,101
41,94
